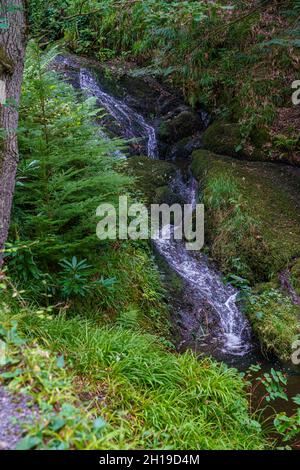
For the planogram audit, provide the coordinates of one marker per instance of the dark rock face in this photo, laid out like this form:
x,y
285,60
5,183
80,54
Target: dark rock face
x,y
172,119
182,149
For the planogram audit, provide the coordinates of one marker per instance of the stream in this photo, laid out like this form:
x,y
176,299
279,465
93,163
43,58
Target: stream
x,y
207,312
231,335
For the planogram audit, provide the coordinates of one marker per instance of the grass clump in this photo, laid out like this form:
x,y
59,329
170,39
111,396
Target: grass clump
x,y
60,419
252,214
149,398
276,322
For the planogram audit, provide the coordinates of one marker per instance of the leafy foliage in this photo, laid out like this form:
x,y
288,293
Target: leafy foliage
x,y
273,389
75,278
56,198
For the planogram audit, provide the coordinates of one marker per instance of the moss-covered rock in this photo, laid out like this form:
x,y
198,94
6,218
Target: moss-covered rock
x,y
252,213
222,138
275,320
184,124
225,138
164,194
153,176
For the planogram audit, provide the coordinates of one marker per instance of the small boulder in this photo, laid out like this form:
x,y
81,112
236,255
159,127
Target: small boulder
x,y
223,138
150,175
165,195
177,126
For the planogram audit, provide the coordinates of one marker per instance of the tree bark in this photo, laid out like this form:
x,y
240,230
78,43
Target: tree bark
x,y
12,53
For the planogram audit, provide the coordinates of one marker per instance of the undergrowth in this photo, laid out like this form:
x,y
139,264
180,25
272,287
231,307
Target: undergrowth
x,y
140,395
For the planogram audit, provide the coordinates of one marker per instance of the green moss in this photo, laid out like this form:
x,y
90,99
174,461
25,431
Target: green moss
x,y
259,136
163,131
165,195
222,138
185,124
226,138
264,207
266,286
275,320
150,175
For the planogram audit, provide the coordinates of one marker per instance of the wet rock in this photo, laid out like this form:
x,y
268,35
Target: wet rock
x,y
183,149
176,126
161,108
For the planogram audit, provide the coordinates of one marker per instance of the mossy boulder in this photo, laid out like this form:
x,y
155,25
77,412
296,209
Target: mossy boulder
x,y
164,194
222,138
225,138
152,176
184,123
275,321
252,213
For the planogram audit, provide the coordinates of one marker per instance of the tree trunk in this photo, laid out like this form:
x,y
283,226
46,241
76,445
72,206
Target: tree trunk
x,y
12,52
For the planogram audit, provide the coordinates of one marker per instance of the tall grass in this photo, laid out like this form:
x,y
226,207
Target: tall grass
x,y
167,401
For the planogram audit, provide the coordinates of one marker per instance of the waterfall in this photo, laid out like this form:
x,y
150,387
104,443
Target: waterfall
x,y
204,284
133,124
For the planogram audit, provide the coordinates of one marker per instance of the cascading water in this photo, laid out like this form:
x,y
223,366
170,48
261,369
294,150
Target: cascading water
x,y
233,332
208,295
133,124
